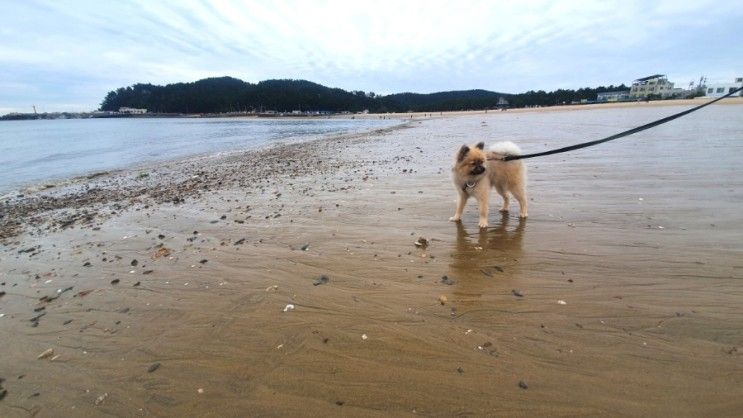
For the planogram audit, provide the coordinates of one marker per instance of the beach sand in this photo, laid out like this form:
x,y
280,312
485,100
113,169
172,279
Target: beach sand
x,y
620,295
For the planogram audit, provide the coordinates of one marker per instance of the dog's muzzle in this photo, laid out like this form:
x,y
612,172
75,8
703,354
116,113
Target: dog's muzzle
x,y
478,170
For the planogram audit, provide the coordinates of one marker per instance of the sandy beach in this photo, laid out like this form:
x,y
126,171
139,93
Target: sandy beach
x,y
286,281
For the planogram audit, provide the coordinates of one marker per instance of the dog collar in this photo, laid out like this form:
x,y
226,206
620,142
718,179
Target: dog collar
x,y
468,186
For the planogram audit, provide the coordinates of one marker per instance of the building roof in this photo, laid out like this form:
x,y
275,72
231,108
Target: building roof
x,y
650,77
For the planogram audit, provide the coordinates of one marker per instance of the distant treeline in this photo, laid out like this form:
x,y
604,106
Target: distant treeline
x,y
227,94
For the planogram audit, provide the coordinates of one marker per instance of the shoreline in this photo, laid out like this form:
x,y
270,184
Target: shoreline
x,y
402,115
37,186
171,296
34,187
129,184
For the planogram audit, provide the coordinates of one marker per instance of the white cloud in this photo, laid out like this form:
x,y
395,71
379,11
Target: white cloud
x,y
58,48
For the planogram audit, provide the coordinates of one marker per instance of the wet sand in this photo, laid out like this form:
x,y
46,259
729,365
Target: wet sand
x,y
641,239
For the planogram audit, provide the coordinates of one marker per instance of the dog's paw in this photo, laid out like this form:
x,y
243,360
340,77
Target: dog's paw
x,y
523,215
503,210
483,224
455,219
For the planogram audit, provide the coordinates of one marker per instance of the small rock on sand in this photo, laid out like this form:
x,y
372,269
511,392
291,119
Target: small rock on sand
x,y
161,252
517,293
153,367
47,353
421,242
321,280
99,400
443,299
523,385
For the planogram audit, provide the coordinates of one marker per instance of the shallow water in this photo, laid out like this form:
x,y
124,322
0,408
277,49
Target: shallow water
x,y
44,150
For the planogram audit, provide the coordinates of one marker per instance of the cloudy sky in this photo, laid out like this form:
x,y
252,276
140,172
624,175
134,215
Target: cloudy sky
x,y
66,55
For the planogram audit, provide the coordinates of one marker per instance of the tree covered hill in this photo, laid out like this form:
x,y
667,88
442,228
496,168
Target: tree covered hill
x,y
227,94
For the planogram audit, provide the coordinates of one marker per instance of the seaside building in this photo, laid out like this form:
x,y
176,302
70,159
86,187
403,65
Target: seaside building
x,y
132,111
721,89
657,85
612,96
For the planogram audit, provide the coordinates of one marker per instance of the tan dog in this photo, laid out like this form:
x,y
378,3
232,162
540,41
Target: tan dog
x,y
476,171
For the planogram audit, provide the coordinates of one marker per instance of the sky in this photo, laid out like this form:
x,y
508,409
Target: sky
x,y
66,55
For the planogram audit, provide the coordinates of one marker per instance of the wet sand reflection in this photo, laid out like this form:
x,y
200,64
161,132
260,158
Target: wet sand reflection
x,y
479,261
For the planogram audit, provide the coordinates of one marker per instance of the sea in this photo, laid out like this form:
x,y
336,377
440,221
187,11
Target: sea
x,y
37,151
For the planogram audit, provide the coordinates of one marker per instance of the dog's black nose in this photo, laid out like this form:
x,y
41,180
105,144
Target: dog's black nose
x,y
478,170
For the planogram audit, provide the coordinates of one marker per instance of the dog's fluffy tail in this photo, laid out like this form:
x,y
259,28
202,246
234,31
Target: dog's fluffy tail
x,y
505,148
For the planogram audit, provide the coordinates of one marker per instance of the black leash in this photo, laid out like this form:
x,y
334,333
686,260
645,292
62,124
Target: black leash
x,y
621,134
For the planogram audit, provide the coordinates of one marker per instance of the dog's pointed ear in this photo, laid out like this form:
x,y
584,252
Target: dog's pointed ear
x,y
463,152
480,145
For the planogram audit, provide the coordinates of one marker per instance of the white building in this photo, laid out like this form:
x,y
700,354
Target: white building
x,y
721,89
132,111
657,85
612,96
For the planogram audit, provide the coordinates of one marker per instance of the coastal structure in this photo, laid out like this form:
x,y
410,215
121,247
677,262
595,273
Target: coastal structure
x,y
132,111
612,96
653,85
721,89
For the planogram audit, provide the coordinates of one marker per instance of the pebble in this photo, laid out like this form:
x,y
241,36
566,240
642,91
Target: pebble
x,y
321,280
561,302
153,367
446,280
47,353
99,400
364,337
115,281
517,293
161,252
523,385
134,262
443,299
421,242
288,308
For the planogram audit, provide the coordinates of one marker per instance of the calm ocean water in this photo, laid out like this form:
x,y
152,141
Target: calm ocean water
x,y
45,150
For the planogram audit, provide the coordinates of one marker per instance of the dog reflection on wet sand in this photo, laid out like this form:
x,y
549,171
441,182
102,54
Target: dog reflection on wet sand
x,y
476,264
